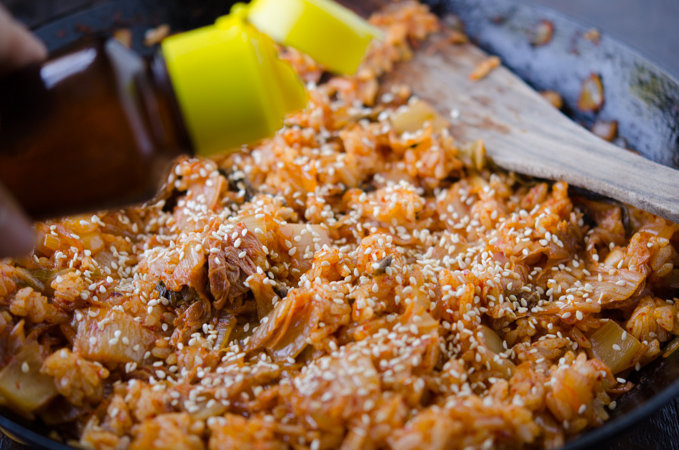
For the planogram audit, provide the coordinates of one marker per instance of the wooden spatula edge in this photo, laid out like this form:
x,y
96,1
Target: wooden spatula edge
x,y
525,134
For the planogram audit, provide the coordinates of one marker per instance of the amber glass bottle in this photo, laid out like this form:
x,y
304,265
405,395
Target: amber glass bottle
x,y
97,125
94,127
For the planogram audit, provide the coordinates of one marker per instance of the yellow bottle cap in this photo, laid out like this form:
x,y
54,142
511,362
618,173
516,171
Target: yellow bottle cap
x,y
331,34
230,85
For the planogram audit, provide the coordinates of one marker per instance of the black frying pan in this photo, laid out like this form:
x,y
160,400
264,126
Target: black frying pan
x,y
643,99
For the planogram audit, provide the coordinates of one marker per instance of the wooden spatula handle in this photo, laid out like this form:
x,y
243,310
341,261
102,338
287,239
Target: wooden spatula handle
x,y
581,159
525,134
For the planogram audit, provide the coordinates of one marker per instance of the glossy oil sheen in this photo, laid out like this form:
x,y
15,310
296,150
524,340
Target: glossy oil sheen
x,y
84,131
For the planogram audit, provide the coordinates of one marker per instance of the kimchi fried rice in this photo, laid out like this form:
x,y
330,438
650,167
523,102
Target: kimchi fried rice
x,y
359,281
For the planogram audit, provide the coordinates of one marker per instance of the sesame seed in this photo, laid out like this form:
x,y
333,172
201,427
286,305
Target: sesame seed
x,y
362,273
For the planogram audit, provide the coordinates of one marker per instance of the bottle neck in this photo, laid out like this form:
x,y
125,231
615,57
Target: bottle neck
x,y
162,108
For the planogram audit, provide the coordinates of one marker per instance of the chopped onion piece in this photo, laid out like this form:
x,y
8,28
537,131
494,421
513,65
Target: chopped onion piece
x,y
491,339
609,346
474,154
493,343
257,225
112,337
411,118
593,35
310,236
606,130
225,326
22,385
484,68
541,33
215,408
554,98
592,94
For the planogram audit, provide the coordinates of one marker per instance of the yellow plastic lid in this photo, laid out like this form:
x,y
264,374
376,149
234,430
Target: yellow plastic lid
x,y
328,32
230,85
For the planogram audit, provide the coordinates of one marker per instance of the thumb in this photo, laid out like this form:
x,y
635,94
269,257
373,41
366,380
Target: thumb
x,y
18,47
16,233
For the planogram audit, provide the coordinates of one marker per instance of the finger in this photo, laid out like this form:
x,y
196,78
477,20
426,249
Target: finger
x,y
18,47
16,232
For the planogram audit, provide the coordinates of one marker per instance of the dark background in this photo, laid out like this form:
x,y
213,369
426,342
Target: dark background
x,y
650,26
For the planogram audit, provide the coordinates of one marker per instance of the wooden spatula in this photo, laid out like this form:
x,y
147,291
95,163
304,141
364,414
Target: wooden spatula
x,y
524,133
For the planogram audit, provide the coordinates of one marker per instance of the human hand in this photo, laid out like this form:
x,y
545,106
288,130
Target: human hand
x,y
18,47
